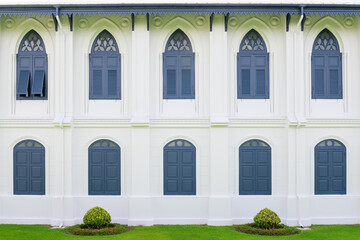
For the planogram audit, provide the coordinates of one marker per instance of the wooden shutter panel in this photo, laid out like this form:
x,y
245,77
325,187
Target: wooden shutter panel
x,y
96,172
260,71
254,170
38,84
29,170
330,170
23,83
113,77
171,172
21,172
244,76
170,74
104,170
186,71
180,169
334,77
318,65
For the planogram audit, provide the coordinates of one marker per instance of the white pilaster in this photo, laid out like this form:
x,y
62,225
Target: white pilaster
x,y
219,202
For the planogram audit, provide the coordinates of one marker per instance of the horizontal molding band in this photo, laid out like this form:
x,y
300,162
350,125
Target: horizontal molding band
x,y
173,9
178,122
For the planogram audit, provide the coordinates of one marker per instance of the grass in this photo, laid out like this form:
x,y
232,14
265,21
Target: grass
x,y
178,232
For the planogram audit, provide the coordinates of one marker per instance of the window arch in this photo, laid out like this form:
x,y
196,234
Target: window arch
x,y
29,168
330,167
104,168
326,67
105,68
31,69
253,67
179,168
178,67
255,168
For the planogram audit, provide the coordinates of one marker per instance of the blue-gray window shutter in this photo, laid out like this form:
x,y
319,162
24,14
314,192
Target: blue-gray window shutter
x,y
104,168
32,58
105,68
179,168
253,68
330,167
39,80
255,168
178,68
23,84
326,67
29,168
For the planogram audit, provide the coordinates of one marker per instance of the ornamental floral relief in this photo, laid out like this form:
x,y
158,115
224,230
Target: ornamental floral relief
x,y
325,42
32,43
105,43
252,42
178,42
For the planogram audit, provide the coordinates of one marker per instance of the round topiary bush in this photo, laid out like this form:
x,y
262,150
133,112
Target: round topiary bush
x,y
267,219
97,217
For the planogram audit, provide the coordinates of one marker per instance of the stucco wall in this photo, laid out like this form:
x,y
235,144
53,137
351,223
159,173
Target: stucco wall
x,y
216,122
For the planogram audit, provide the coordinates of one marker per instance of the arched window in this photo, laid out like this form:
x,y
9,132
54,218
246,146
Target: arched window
x,y
179,67
253,68
330,167
255,168
105,68
179,168
326,67
104,168
29,168
32,67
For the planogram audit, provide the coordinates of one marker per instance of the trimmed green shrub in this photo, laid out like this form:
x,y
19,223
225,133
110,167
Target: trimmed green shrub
x,y
267,219
280,230
83,230
97,218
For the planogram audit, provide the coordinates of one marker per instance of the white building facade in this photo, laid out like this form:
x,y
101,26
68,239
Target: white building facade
x,y
211,141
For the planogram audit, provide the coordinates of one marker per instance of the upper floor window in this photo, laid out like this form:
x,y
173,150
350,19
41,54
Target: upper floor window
x,y
31,68
179,67
253,68
105,68
326,69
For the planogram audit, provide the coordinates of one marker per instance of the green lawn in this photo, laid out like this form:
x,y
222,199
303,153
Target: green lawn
x,y
177,232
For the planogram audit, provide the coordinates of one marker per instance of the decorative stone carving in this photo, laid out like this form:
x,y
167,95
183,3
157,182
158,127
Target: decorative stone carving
x,y
233,21
200,21
349,21
83,23
9,23
157,21
274,21
32,42
252,42
178,41
104,42
125,22
325,41
50,23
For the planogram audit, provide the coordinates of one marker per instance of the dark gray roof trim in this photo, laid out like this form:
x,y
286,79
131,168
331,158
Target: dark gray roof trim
x,y
170,9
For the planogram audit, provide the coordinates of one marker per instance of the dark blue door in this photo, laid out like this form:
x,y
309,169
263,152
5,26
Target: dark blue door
x,y
330,167
255,168
29,168
104,168
179,168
